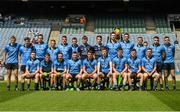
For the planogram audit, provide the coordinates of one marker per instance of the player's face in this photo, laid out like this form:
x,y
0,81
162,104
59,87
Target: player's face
x,y
40,39
148,53
120,52
74,56
113,36
13,40
104,53
27,42
47,58
33,55
166,41
140,40
126,37
64,40
84,41
74,41
145,44
99,40
53,44
156,41
133,54
90,55
60,56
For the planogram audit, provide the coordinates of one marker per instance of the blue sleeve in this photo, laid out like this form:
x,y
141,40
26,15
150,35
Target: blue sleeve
x,y
20,50
27,65
84,63
41,64
38,65
6,49
132,46
143,62
81,63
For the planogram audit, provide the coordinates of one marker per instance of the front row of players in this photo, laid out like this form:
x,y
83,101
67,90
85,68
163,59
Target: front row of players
x,y
92,73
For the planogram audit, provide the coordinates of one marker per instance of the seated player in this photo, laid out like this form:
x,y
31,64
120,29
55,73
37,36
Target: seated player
x,y
119,68
134,69
32,71
46,69
74,72
104,70
60,69
90,69
149,68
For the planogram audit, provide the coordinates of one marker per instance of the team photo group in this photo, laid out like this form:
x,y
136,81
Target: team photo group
x,y
120,65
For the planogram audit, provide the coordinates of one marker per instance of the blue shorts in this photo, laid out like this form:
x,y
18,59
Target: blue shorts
x,y
169,66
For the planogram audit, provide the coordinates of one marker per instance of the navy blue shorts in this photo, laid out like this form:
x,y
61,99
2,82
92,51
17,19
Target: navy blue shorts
x,y
169,66
23,68
159,66
11,66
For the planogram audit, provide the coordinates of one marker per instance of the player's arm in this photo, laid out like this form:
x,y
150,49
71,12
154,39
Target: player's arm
x,y
110,63
125,69
154,69
163,54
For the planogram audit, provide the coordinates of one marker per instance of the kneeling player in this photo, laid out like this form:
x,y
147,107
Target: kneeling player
x,y
119,68
134,68
74,72
60,69
90,69
46,69
149,68
104,69
32,71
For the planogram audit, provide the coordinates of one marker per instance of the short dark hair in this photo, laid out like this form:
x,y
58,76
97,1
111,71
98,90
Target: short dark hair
x,y
133,50
103,48
74,38
166,37
156,37
60,53
126,34
53,40
40,35
26,38
64,36
99,36
148,49
13,37
120,49
145,42
140,37
84,37
47,54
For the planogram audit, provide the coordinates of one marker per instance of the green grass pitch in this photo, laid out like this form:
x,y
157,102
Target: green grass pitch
x,y
89,100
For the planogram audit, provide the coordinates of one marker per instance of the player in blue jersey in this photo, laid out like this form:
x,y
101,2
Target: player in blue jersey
x,y
90,70
126,45
65,48
75,46
40,48
149,69
32,72
74,72
24,53
112,46
104,70
10,59
98,46
84,48
169,67
53,50
46,69
119,68
59,72
134,70
140,49
158,53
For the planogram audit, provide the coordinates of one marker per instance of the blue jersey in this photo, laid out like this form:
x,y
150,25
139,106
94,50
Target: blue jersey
x,y
40,50
60,66
119,63
66,50
53,53
157,52
89,65
169,50
104,64
75,48
12,52
25,53
46,67
126,46
149,64
112,49
74,66
32,65
97,49
83,50
141,51
134,64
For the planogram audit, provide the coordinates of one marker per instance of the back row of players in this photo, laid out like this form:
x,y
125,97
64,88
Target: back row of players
x,y
91,66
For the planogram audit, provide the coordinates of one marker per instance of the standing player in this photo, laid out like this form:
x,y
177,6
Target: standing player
x,y
65,48
75,46
119,68
158,53
126,45
40,48
10,56
104,70
74,72
24,53
98,46
149,69
134,70
53,50
112,46
46,69
140,49
32,71
60,69
169,67
90,69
